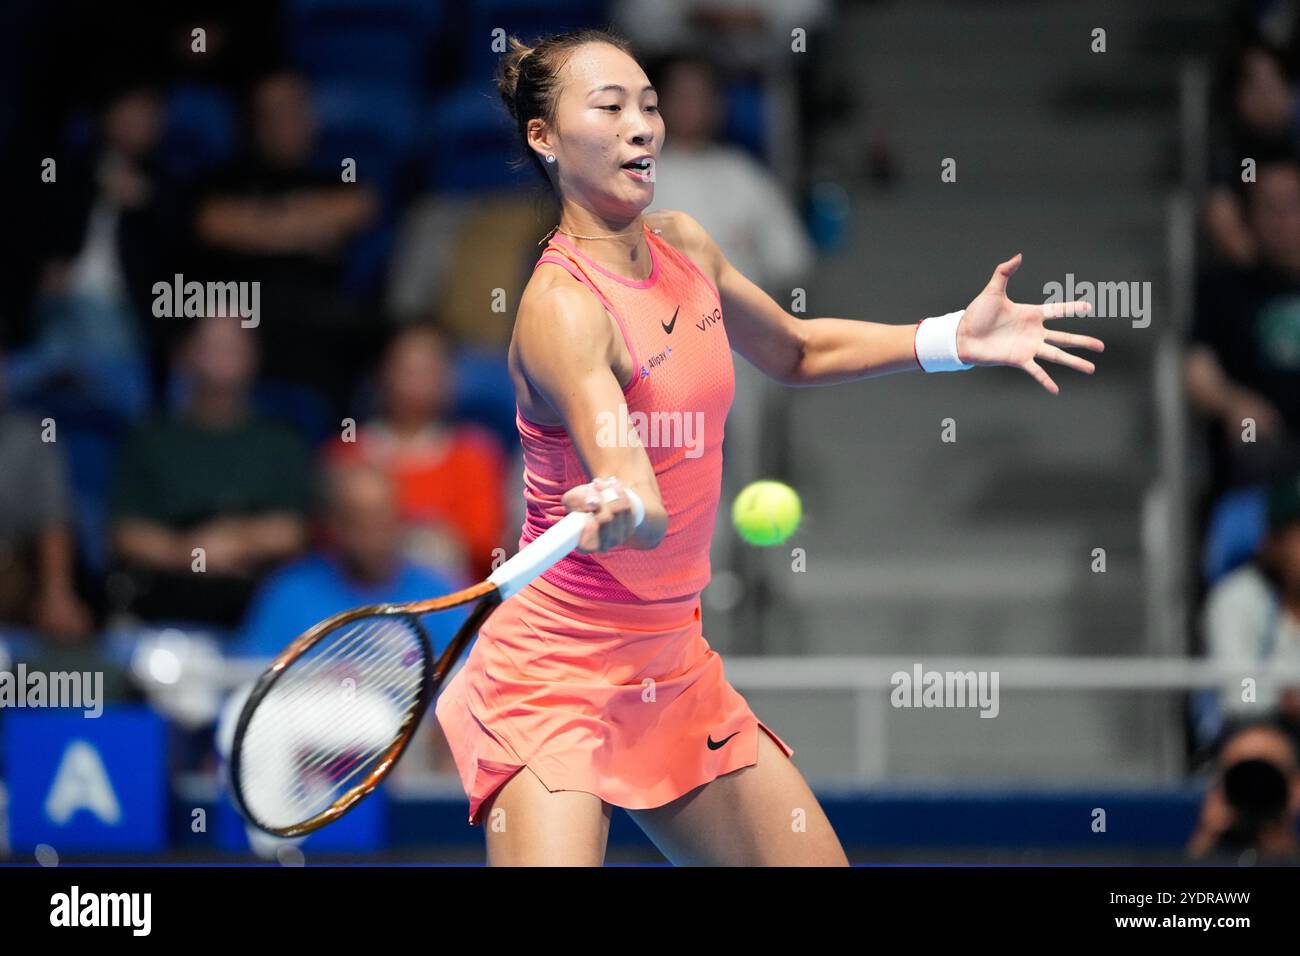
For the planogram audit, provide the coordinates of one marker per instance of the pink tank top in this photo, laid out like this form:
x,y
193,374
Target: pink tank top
x,y
677,403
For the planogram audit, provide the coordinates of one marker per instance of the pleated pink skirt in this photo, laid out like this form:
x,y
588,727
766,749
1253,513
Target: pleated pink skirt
x,y
624,701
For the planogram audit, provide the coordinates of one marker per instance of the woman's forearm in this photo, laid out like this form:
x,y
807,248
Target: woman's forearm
x,y
842,350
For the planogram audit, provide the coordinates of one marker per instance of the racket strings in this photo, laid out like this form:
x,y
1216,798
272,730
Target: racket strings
x,y
313,682
314,688
324,754
329,717
376,663
360,733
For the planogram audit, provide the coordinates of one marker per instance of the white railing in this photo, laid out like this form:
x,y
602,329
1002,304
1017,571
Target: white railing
x,y
869,681
862,673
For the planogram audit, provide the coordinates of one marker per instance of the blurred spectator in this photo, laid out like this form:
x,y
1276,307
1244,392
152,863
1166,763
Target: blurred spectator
x,y
1244,359
106,240
450,477
1252,615
36,549
742,31
275,219
360,563
1273,23
1262,123
1254,802
754,37
449,250
214,477
752,220
242,39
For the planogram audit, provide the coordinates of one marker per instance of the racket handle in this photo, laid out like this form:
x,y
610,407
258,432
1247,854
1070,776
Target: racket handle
x,y
553,544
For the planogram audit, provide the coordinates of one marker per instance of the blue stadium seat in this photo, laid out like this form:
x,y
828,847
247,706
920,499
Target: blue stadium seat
x,y
527,19
90,454
368,259
469,142
422,15
485,393
1206,717
79,131
201,130
371,53
745,122
375,124
1238,522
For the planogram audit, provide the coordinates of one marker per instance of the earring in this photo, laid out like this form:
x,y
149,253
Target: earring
x,y
550,159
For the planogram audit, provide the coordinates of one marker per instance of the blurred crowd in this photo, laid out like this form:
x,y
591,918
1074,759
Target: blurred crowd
x,y
334,425
236,468
1242,378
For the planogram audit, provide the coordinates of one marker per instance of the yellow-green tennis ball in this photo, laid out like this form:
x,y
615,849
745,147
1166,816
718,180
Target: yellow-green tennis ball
x,y
766,512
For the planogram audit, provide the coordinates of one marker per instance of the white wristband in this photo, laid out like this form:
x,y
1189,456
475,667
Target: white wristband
x,y
936,344
638,506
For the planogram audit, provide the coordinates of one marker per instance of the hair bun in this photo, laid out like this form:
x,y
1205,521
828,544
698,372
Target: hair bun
x,y
508,75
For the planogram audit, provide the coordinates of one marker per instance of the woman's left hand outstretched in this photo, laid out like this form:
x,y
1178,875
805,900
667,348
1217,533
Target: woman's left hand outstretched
x,y
996,331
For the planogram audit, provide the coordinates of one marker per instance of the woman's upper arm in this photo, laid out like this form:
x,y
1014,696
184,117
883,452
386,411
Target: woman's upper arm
x,y
758,328
564,343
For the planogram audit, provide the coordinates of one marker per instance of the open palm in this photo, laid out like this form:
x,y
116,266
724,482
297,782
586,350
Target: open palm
x,y
996,331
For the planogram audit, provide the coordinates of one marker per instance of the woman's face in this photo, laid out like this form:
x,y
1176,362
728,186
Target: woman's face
x,y
1265,100
415,377
133,123
607,114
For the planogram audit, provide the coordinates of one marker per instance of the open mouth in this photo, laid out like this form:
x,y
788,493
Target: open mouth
x,y
642,169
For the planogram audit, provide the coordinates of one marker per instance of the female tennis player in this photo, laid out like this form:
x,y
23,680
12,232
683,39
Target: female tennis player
x,y
594,687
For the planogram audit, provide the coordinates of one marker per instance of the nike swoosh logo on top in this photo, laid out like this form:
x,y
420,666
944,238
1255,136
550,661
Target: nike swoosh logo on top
x,y
668,326
718,744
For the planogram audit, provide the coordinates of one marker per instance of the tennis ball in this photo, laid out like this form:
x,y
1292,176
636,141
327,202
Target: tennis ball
x,y
766,512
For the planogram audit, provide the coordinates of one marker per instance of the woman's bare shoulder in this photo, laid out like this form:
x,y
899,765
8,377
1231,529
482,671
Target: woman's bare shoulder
x,y
687,236
557,311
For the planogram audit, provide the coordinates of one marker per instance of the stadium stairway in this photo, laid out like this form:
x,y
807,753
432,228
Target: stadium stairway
x,y
985,545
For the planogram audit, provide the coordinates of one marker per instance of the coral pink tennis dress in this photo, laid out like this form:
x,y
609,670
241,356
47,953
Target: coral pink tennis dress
x,y
597,676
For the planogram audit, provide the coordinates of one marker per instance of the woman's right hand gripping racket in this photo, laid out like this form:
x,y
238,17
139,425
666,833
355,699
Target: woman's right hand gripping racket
x,y
327,721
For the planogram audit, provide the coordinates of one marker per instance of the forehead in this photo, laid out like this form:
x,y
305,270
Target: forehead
x,y
218,327
1257,61
594,65
1279,180
415,345
279,90
1260,744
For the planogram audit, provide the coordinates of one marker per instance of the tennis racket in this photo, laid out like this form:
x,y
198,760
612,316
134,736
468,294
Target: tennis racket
x,y
329,718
